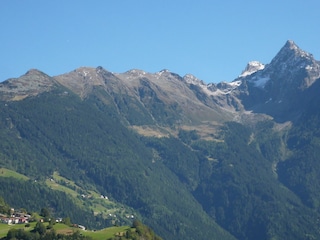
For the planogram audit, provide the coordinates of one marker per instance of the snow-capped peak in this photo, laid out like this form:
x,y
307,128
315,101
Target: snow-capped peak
x,y
251,68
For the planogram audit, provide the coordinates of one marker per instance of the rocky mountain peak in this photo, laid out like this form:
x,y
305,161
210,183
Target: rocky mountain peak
x,y
275,89
291,44
291,57
293,67
31,83
34,71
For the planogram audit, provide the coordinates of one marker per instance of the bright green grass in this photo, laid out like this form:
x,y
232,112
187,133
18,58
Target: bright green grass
x,y
57,177
56,186
9,173
4,228
60,226
106,233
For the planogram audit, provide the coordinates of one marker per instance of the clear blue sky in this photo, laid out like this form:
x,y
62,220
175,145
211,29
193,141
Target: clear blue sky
x,y
212,40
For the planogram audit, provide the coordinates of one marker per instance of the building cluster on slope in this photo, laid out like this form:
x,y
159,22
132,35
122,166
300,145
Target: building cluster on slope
x,y
15,218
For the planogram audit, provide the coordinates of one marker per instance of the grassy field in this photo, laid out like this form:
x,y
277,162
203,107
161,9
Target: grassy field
x,y
107,233
4,228
64,229
9,173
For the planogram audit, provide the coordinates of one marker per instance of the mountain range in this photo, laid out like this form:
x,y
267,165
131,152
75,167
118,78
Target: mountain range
x,y
232,160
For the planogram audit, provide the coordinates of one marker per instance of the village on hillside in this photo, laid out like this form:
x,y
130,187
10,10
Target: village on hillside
x,y
19,217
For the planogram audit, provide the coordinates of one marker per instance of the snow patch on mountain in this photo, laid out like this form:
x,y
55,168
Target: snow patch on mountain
x,y
260,81
251,68
136,72
235,83
227,87
211,89
308,67
162,72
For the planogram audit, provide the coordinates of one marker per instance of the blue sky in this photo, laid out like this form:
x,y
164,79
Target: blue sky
x,y
212,40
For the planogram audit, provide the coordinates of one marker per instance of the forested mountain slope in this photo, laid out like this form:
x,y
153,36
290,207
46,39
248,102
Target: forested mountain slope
x,y
57,131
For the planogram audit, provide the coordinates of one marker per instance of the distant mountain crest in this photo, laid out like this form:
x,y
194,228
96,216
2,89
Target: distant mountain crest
x,y
289,72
